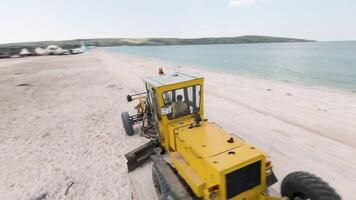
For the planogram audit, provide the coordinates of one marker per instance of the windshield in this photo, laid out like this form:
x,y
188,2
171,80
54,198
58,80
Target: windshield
x,y
181,102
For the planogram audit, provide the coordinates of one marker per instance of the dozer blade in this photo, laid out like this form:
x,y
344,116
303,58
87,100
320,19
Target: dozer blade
x,y
138,156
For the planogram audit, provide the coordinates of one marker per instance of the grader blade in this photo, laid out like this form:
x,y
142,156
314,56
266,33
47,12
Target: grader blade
x,y
138,156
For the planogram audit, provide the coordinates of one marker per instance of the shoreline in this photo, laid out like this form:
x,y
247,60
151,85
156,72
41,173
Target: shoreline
x,y
173,65
65,125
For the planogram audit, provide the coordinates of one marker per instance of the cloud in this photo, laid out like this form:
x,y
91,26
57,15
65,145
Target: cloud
x,y
237,3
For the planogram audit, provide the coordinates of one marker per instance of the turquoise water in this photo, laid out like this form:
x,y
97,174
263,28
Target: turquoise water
x,y
328,64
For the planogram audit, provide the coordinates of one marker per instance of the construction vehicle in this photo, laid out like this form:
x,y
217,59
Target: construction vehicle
x,y
194,158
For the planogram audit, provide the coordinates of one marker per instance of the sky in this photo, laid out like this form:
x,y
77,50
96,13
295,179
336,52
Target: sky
x,y
38,20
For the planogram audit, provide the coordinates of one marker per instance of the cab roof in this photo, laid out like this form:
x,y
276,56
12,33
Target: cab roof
x,y
169,79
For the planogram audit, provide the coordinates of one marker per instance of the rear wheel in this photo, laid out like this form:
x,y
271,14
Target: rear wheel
x,y
156,183
305,186
166,182
161,187
127,123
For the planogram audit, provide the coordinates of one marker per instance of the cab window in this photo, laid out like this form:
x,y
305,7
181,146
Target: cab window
x,y
181,102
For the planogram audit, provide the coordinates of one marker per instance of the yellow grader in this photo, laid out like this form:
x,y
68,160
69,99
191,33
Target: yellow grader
x,y
196,159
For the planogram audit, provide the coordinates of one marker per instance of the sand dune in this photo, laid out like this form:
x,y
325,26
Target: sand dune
x,y
61,135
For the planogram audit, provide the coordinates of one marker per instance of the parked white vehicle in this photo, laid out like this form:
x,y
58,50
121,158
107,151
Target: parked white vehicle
x,y
81,49
56,50
24,52
39,51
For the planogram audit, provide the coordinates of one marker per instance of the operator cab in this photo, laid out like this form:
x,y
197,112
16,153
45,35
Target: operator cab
x,y
176,95
182,101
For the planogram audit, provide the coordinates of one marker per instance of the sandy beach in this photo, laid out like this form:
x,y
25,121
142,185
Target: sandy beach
x,y
61,135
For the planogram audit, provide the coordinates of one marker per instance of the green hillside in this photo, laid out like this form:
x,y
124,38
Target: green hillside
x,y
14,48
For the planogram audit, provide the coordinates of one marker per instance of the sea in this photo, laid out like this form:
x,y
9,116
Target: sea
x,y
325,64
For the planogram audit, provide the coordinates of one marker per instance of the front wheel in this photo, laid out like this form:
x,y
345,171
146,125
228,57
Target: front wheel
x,y
126,122
305,186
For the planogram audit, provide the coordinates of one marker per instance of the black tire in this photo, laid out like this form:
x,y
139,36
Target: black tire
x,y
127,123
156,182
161,187
303,186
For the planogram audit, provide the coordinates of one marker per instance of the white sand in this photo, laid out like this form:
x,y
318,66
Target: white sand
x,y
66,128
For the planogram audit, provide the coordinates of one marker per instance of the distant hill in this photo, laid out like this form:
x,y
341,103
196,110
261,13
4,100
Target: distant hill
x,y
14,48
